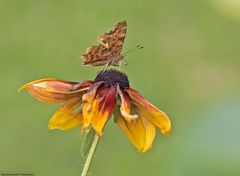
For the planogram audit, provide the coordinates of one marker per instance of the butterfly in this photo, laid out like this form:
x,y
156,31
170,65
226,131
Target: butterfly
x,y
108,52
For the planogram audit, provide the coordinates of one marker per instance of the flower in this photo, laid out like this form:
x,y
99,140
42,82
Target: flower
x,y
92,103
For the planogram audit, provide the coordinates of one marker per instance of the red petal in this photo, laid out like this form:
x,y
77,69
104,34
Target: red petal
x,y
101,108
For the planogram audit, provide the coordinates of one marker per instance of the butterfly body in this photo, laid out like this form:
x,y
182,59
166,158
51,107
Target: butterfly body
x,y
108,52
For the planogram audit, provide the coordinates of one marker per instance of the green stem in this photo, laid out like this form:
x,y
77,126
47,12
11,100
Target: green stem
x,y
90,155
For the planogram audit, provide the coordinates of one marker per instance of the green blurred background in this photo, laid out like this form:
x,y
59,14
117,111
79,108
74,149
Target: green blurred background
x,y
190,68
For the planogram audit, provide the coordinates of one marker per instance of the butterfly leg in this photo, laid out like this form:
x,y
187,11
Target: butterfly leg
x,y
106,66
119,65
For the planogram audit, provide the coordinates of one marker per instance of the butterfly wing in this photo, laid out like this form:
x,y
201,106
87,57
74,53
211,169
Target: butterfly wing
x,y
96,56
114,39
109,51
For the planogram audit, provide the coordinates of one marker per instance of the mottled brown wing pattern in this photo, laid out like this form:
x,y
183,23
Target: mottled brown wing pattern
x,y
96,56
109,51
115,36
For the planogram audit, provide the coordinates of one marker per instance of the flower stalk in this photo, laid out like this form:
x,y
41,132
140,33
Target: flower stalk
x,y
90,155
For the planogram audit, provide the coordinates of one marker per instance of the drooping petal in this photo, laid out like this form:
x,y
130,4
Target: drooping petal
x,y
140,132
125,107
149,111
91,94
54,90
101,108
68,116
88,99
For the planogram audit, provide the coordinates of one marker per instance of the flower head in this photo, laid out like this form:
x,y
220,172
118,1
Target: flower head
x,y
92,103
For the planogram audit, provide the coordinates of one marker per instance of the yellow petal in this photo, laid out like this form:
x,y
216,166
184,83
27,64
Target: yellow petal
x,y
68,116
54,90
89,113
99,121
139,131
101,108
125,107
89,104
149,111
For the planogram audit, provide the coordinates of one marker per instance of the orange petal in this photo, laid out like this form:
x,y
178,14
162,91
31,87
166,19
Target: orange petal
x,y
125,108
91,94
68,116
88,99
140,132
149,111
101,108
54,90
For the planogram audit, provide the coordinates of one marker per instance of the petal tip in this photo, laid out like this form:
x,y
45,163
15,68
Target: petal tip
x,y
25,86
166,131
51,127
145,149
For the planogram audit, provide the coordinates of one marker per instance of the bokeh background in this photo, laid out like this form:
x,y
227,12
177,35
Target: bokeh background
x,y
190,68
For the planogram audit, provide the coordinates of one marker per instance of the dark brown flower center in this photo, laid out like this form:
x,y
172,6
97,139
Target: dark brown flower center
x,y
113,77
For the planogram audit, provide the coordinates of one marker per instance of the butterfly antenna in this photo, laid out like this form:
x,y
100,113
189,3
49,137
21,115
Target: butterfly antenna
x,y
132,50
